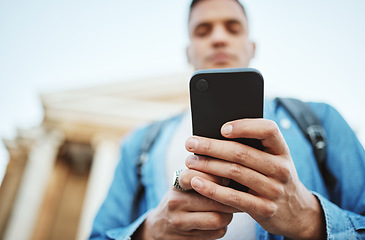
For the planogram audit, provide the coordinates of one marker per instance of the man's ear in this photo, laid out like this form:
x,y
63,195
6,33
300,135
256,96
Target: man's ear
x,y
252,49
188,53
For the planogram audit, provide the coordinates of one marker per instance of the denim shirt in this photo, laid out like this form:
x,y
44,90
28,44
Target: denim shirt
x,y
344,213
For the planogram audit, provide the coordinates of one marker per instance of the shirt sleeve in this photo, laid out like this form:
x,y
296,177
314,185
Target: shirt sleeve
x,y
340,223
345,208
115,217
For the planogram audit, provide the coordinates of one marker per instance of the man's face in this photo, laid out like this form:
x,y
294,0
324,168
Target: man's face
x,y
218,32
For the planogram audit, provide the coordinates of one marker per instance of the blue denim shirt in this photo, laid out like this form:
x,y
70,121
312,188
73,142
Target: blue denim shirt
x,y
344,214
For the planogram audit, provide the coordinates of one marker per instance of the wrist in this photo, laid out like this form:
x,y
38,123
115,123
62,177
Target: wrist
x,y
316,223
142,232
138,234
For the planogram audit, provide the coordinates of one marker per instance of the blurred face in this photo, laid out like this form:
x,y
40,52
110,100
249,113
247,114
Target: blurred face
x,y
218,32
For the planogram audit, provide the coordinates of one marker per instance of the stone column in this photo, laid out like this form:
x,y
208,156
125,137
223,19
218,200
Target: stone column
x,y
33,184
106,156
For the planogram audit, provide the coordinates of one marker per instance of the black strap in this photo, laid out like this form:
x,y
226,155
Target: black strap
x,y
313,130
148,140
309,124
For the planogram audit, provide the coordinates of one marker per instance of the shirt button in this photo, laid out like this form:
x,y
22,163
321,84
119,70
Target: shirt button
x,y
285,123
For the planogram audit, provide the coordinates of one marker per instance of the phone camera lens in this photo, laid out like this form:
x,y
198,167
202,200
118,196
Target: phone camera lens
x,y
202,85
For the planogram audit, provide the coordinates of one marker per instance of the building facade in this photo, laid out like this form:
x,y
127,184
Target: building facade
x,y
59,172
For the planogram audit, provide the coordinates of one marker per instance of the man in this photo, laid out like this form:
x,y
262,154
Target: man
x,y
287,195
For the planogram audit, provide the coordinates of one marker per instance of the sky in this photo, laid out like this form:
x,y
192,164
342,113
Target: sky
x,y
313,50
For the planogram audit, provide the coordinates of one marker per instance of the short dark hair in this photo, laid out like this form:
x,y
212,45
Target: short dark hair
x,y
194,2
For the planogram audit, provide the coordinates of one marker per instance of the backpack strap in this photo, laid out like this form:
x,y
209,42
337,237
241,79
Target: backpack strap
x,y
309,124
313,130
152,133
149,139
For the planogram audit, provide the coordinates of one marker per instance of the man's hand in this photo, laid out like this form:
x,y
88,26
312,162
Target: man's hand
x,y
277,200
186,215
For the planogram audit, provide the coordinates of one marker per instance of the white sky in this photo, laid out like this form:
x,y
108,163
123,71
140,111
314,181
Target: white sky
x,y
314,50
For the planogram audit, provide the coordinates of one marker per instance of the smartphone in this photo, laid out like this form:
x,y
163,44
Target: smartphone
x,y
218,96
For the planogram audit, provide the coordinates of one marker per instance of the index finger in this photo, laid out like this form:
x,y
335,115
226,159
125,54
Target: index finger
x,y
265,130
187,174
191,201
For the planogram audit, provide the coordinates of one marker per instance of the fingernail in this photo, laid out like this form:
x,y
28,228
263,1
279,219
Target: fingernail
x,y
191,144
227,129
192,160
196,183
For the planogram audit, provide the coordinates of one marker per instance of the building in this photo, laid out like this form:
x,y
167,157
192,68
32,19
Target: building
x,y
59,172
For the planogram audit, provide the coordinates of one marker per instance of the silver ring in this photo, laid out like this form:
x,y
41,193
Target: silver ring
x,y
176,183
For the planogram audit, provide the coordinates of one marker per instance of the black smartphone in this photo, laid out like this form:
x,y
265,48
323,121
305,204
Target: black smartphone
x,y
218,96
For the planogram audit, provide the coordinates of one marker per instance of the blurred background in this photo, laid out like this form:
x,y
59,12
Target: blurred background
x,y
76,76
